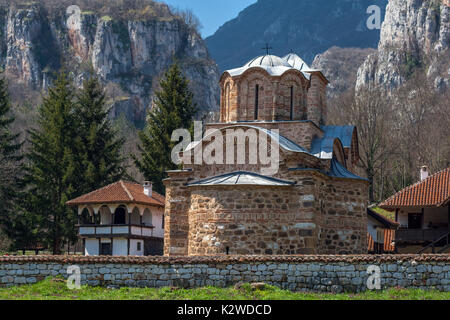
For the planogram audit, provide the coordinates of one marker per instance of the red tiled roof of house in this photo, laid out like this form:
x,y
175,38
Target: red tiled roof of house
x,y
120,192
431,192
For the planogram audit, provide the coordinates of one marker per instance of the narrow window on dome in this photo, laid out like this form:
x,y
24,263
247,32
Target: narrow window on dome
x,y
227,102
292,103
256,101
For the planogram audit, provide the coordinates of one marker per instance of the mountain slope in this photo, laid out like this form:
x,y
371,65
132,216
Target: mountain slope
x,y
128,44
415,36
304,26
340,65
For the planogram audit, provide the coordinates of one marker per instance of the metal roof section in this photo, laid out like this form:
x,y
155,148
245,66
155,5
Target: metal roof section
x,y
274,65
242,178
323,147
283,142
337,170
296,62
273,71
267,61
344,133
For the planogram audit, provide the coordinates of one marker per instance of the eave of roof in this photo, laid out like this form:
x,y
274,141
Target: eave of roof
x,y
284,142
276,71
382,219
241,178
337,170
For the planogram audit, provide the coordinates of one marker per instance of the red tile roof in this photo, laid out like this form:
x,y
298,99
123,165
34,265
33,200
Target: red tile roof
x,y
431,192
120,192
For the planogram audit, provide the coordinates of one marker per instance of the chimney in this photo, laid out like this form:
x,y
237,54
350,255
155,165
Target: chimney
x,y
423,173
148,186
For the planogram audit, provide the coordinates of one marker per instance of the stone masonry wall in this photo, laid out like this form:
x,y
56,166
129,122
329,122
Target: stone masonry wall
x,y
343,219
258,220
316,215
296,273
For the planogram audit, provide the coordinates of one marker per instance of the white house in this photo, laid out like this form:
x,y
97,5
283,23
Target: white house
x,y
423,211
121,219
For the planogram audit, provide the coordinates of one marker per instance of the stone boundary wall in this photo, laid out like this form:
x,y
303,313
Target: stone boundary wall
x,y
325,273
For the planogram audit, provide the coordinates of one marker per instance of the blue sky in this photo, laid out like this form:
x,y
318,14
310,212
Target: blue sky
x,y
212,13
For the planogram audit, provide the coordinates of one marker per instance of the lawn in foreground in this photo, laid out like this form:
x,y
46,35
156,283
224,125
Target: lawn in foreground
x,y
56,289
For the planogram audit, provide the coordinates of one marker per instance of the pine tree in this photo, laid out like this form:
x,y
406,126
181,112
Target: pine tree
x,y
98,147
52,170
173,109
10,173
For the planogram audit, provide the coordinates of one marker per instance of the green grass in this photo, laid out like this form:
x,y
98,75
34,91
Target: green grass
x,y
385,213
56,289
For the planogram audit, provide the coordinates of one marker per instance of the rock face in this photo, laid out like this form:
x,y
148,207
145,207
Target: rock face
x,y
304,26
129,55
415,34
340,66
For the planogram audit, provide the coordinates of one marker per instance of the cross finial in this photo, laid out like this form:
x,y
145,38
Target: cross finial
x,y
267,48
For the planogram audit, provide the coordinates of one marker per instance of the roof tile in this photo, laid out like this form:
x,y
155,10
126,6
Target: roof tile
x,y
433,191
119,192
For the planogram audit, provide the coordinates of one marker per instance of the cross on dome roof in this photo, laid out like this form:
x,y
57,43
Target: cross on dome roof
x,y
267,48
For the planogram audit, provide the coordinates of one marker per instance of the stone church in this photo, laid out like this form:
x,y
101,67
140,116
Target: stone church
x,y
313,204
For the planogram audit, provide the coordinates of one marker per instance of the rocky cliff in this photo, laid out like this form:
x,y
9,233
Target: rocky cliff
x,y
340,66
415,35
304,26
128,51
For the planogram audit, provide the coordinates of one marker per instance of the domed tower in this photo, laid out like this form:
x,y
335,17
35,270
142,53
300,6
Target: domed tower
x,y
316,106
266,88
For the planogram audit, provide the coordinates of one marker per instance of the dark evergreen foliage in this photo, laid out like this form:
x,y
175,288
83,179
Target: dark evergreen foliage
x,y
173,109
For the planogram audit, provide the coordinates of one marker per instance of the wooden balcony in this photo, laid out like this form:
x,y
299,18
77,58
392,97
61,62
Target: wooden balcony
x,y
115,230
419,235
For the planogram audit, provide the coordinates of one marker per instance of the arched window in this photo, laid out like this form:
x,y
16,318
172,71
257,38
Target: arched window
x,y
120,216
85,217
292,103
256,101
227,102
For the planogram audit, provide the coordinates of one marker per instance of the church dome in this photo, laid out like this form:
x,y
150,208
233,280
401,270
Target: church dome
x,y
267,61
296,62
275,66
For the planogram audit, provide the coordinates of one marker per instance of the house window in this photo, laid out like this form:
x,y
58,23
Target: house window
x,y
256,101
139,246
292,103
162,223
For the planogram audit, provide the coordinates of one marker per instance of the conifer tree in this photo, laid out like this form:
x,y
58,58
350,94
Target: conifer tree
x,y
52,170
173,109
98,147
9,150
11,221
